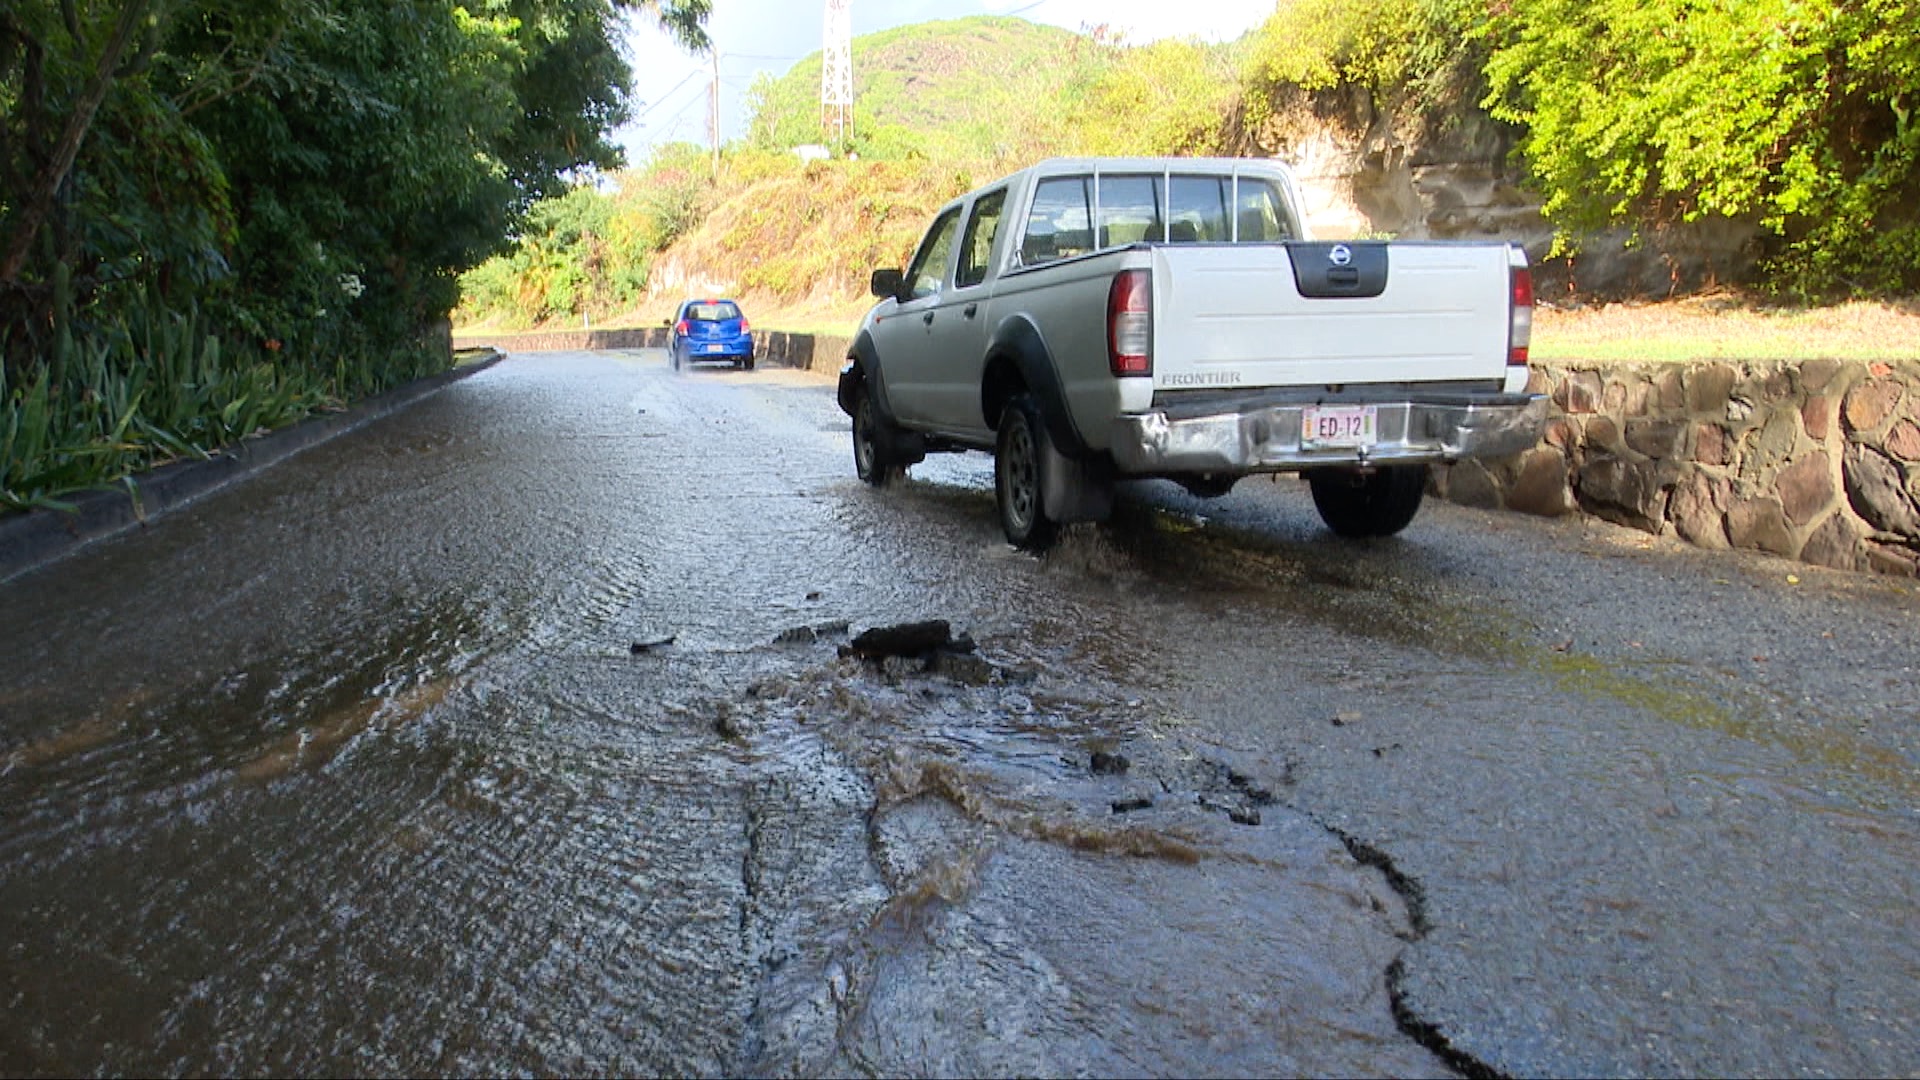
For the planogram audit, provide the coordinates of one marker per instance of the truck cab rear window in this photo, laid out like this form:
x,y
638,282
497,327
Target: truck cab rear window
x,y
1129,210
1261,214
1068,218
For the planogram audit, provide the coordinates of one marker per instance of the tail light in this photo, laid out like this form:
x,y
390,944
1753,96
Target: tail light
x,y
1520,317
1130,323
745,326
681,328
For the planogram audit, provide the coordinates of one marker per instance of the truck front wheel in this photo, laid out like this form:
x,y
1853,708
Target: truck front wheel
x,y
872,441
1018,459
1380,503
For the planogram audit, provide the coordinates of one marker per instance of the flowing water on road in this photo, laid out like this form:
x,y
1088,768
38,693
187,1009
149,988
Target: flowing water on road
x,y
515,734
510,735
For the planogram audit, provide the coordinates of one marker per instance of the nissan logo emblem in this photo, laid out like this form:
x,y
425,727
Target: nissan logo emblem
x,y
1341,255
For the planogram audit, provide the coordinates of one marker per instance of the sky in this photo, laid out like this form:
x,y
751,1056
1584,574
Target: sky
x,y
752,36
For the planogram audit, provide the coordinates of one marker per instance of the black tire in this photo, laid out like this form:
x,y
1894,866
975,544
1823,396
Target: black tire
x,y
749,363
872,441
1359,505
1018,480
673,358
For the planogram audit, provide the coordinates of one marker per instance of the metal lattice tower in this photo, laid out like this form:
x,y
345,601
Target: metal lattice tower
x,y
836,73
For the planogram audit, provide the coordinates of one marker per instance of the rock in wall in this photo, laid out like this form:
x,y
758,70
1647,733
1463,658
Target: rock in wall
x,y
1818,462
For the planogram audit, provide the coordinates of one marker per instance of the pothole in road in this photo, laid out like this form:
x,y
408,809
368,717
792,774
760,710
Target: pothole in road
x,y
1241,934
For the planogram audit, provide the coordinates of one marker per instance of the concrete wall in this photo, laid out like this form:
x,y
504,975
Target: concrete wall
x,y
772,348
1818,462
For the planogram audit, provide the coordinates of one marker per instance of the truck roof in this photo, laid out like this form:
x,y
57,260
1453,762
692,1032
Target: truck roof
x,y
1058,165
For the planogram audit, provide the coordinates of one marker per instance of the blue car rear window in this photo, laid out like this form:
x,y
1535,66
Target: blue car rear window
x,y
713,312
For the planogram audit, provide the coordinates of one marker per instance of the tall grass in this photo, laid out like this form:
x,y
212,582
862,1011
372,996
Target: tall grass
x,y
155,386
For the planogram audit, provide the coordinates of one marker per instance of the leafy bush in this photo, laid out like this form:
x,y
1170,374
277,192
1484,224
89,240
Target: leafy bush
x,y
1792,113
154,388
1407,54
1170,97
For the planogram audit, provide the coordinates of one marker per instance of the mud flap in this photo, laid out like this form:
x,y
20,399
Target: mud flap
x,y
1073,490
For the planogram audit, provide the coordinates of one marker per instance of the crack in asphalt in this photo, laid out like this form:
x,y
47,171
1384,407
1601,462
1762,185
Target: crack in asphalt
x,y
1405,1016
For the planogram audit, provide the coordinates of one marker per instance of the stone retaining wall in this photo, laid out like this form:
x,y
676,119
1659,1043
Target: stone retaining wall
x,y
1815,461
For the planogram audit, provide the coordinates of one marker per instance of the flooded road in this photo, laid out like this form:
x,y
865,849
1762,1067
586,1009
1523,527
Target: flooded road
x,y
513,734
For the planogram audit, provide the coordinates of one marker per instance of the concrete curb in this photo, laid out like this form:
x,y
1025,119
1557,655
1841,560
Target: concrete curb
x,y
37,537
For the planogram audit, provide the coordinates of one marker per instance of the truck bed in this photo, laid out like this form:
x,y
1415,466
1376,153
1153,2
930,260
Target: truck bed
x,y
1232,316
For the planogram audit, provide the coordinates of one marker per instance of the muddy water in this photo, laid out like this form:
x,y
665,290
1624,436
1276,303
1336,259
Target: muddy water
x,y
512,734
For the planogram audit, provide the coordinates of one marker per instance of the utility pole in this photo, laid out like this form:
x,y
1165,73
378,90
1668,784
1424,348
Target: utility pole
x,y
836,73
713,116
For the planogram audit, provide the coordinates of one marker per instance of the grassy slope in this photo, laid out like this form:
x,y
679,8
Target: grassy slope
x,y
1728,327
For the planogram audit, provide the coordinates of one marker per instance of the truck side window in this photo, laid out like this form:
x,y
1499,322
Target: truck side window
x,y
1129,210
1060,225
929,267
1261,213
1197,210
977,249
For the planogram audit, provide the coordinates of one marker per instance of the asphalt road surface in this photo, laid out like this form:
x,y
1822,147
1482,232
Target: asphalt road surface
x,y
513,733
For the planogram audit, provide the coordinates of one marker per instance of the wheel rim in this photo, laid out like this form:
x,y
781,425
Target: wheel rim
x,y
863,437
1022,477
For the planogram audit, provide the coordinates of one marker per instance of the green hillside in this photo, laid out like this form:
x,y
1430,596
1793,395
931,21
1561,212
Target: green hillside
x,y
990,87
962,88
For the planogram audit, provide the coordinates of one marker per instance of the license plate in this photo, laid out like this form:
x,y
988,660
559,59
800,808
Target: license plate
x,y
1339,425
716,348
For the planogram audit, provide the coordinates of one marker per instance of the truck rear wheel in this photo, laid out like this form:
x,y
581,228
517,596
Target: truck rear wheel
x,y
1357,505
872,441
1018,485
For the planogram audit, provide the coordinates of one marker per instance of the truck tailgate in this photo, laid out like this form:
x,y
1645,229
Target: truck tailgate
x,y
1232,316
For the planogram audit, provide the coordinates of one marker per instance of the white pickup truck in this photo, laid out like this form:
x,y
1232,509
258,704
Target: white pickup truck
x,y
1094,320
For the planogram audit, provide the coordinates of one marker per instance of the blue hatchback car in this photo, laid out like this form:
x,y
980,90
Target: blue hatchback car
x,y
711,330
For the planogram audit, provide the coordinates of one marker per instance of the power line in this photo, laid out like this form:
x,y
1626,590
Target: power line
x,y
672,123
662,99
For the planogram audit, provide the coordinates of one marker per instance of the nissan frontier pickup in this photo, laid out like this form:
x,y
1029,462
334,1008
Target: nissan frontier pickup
x,y
1089,321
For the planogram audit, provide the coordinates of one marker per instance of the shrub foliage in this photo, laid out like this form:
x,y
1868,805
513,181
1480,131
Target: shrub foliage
x,y
1796,114
297,181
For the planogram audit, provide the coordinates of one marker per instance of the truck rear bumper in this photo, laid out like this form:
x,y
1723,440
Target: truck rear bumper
x,y
1267,438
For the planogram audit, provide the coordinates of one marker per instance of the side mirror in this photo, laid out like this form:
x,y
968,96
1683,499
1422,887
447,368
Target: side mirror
x,y
887,284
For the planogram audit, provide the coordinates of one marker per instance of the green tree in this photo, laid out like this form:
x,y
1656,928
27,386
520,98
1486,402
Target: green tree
x,y
1170,97
226,192
1792,113
256,154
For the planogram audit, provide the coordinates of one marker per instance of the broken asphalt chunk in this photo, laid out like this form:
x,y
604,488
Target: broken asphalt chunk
x,y
906,640
646,645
